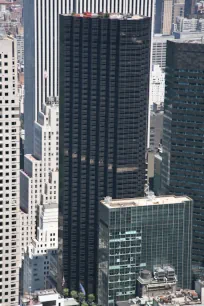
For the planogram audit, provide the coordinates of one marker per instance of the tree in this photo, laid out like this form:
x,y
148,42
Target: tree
x,y
84,304
91,298
66,292
81,296
74,294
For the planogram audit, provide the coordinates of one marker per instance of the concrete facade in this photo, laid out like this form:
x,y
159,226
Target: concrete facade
x,y
9,174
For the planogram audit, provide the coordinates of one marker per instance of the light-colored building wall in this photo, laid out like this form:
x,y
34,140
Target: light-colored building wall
x,y
39,179
36,264
178,9
159,49
186,25
39,200
158,85
167,17
9,174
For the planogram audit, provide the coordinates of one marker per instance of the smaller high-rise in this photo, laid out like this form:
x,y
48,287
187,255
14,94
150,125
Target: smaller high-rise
x,y
142,233
39,178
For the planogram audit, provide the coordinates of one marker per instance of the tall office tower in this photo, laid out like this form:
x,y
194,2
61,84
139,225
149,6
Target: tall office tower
x,y
114,6
167,13
163,16
189,8
104,84
41,47
157,16
141,233
182,167
39,179
9,174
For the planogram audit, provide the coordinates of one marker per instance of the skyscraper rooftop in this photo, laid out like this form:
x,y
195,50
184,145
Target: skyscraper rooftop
x,y
112,203
107,15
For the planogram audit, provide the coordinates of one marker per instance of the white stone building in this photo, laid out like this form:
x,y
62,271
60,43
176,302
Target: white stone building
x,y
39,200
47,297
39,179
186,24
36,264
157,85
9,174
159,49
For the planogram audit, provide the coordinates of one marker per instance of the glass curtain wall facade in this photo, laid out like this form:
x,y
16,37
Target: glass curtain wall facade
x,y
183,134
104,85
135,236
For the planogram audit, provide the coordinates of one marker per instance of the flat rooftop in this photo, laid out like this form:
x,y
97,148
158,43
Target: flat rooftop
x,y
118,203
32,158
70,302
46,292
108,16
162,38
50,206
182,40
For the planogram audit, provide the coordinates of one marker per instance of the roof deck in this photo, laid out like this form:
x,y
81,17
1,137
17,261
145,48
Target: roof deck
x,y
161,200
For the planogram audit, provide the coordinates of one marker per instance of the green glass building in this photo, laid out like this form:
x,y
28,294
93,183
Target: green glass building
x,y
136,234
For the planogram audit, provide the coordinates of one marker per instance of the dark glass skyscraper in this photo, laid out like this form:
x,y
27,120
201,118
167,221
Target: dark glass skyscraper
x,y
104,86
183,133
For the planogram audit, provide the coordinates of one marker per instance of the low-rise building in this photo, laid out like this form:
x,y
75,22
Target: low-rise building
x,y
162,280
186,24
180,297
47,297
